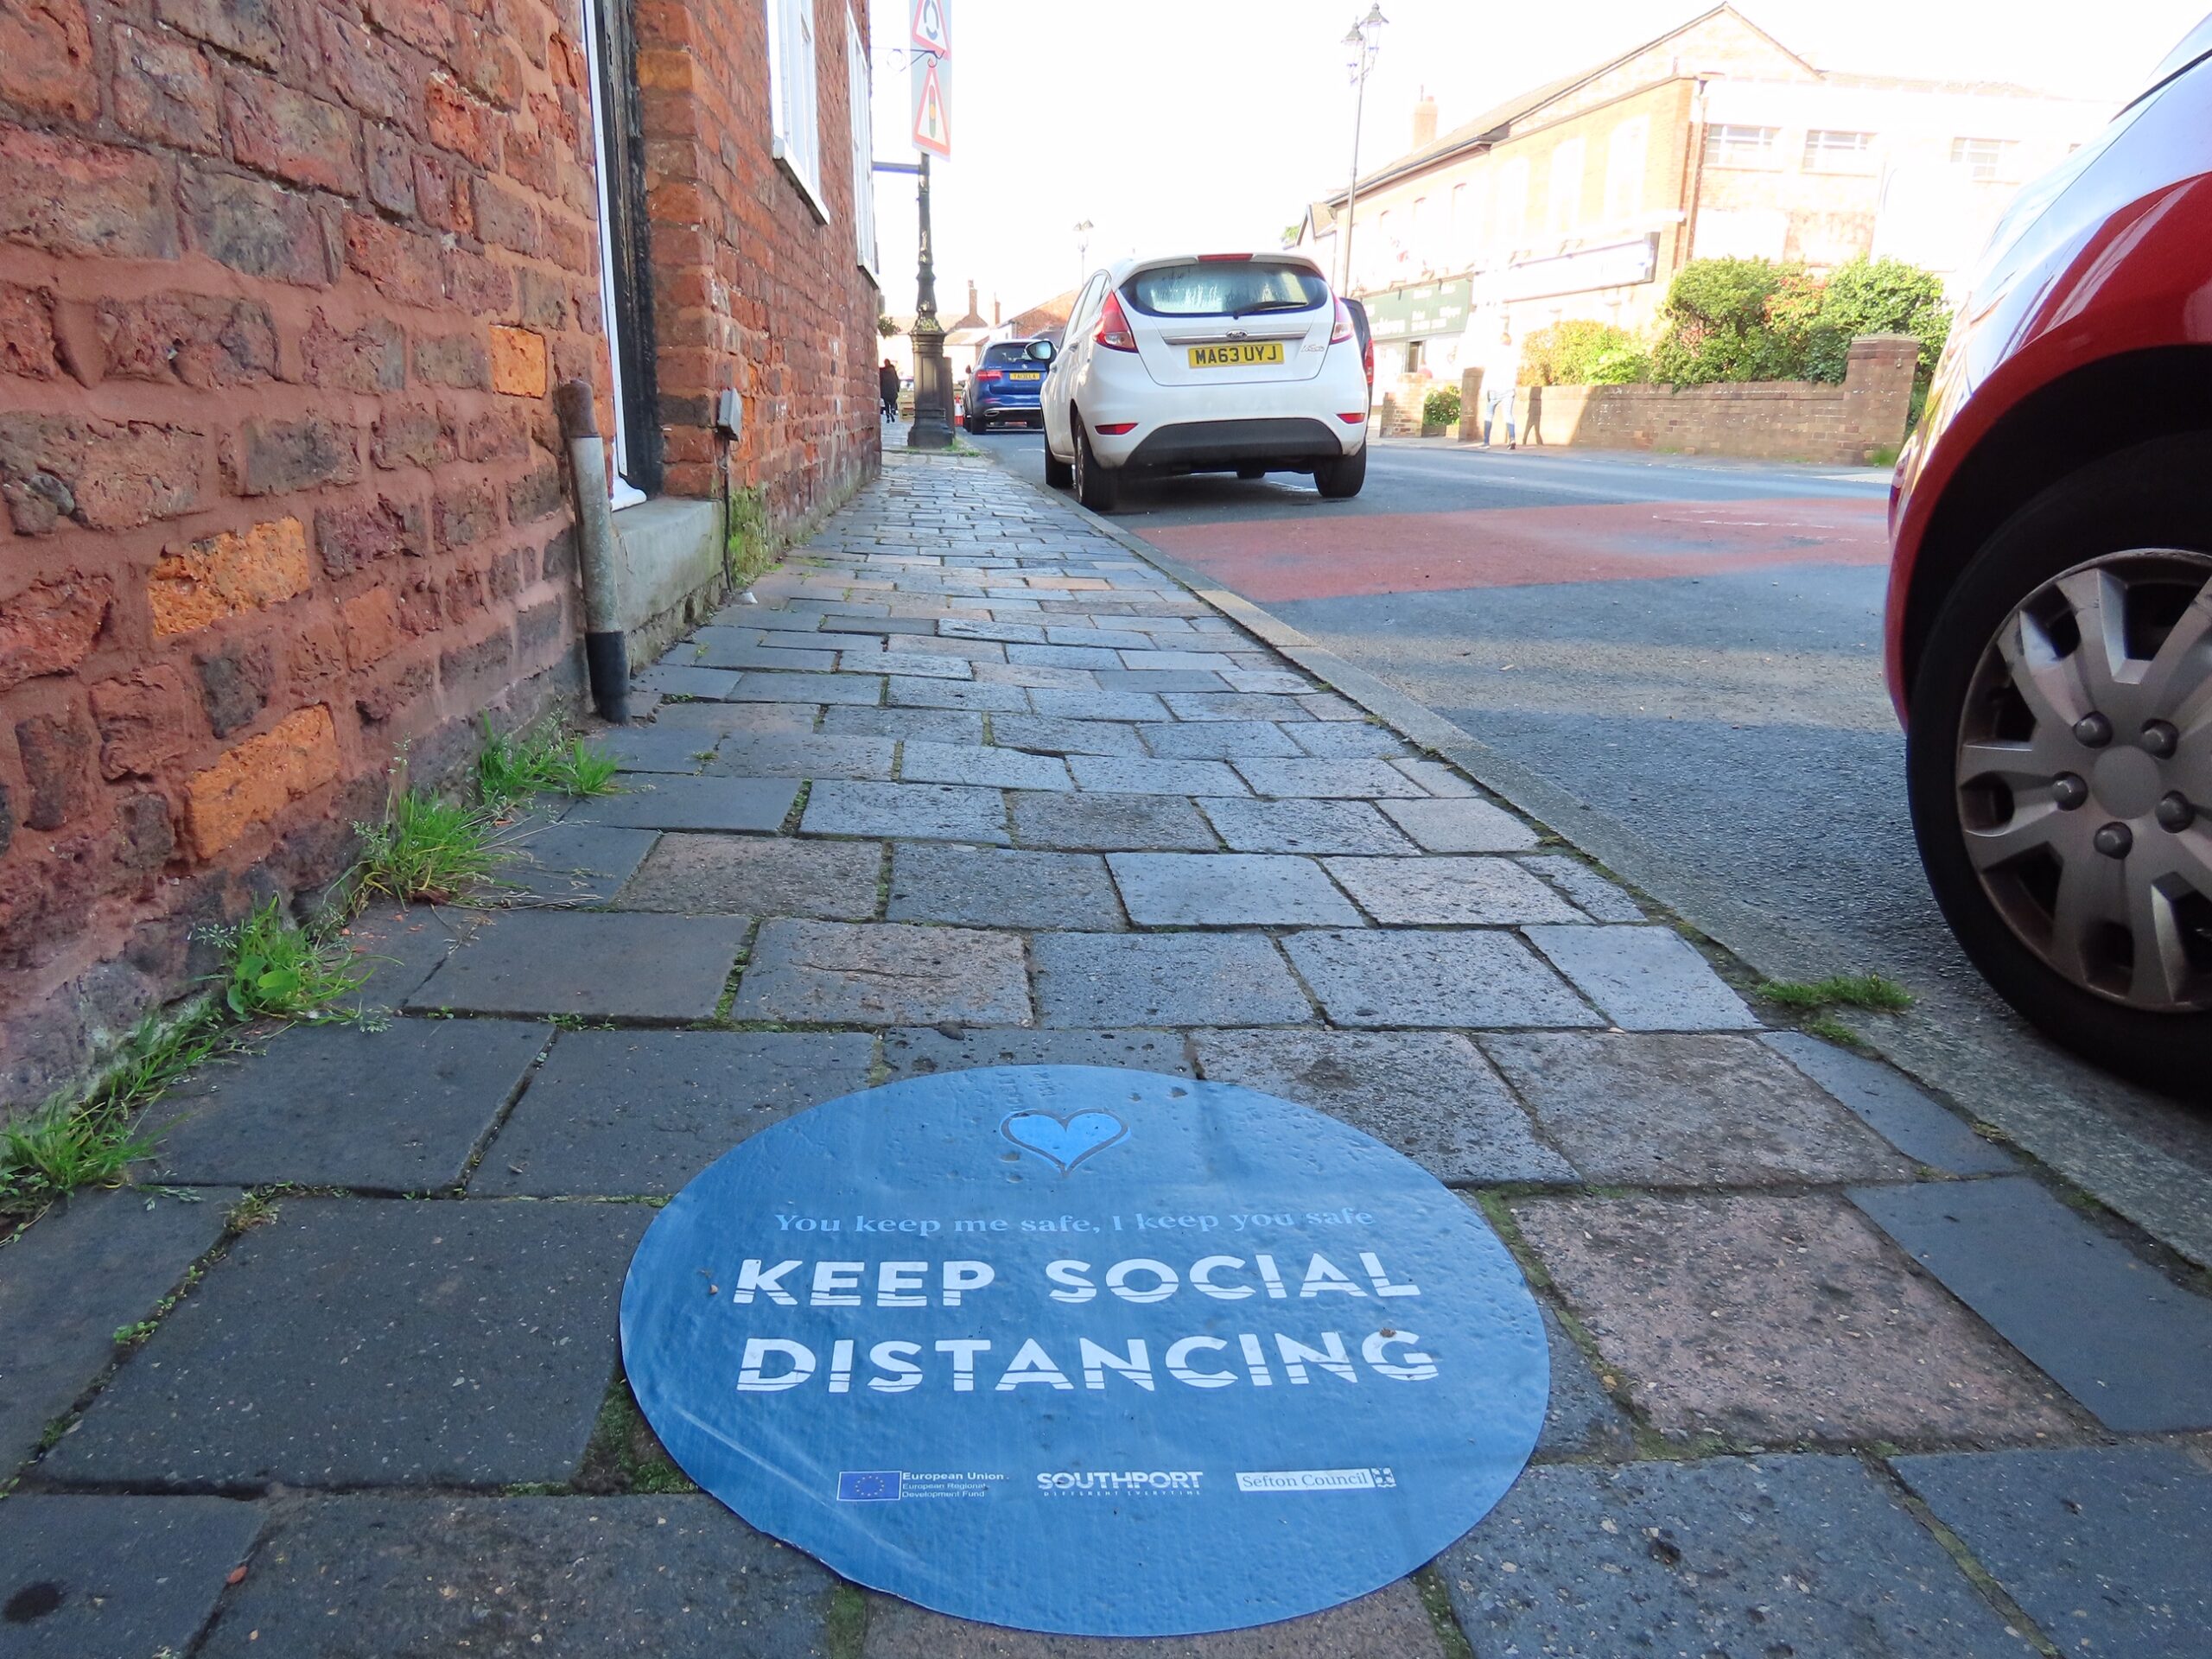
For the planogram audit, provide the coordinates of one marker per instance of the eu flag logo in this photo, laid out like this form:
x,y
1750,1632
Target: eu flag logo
x,y
867,1486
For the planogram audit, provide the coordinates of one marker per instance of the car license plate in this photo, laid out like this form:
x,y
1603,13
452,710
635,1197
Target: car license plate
x,y
1236,355
1019,375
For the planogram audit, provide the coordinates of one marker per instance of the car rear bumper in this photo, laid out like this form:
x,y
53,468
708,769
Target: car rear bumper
x,y
1198,445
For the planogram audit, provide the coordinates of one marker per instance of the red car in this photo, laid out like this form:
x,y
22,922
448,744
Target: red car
x,y
2049,637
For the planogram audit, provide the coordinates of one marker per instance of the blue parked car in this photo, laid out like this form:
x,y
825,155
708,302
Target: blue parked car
x,y
1002,388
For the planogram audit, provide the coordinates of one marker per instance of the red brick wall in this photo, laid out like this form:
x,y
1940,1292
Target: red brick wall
x,y
752,289
281,286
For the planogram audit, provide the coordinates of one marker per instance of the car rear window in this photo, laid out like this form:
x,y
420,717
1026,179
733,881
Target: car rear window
x,y
1005,357
1224,288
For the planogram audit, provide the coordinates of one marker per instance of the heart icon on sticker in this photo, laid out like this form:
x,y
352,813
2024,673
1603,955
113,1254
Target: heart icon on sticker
x,y
1066,1141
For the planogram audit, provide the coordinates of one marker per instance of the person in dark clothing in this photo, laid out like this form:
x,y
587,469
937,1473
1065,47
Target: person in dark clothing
x,y
888,379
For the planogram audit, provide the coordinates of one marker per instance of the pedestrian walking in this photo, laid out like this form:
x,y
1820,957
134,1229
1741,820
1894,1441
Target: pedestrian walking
x,y
1500,371
886,381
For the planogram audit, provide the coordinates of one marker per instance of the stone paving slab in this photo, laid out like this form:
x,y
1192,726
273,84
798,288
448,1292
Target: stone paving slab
x,y
987,887
1646,978
645,748
1164,979
1325,779
1215,740
364,1342
2117,1334
929,725
398,1110
803,754
1391,1623
1443,891
933,811
855,690
605,966
1686,1110
1088,823
1593,893
1466,978
759,875
1349,827
1334,741
2106,1548
1232,705
664,803
114,1577
92,1264
952,763
400,948
502,1577
1110,774
1780,1320
1227,890
573,864
1460,826
925,1050
722,717
1097,705
1052,736
1581,1418
912,692
1429,1094
1887,1102
840,973
677,679
1757,1559
641,1112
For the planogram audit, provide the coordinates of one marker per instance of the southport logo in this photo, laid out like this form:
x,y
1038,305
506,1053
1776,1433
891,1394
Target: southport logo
x,y
1064,1142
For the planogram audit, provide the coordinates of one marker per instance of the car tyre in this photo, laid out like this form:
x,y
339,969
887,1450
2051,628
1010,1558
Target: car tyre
x,y
1094,487
1340,480
1251,470
2140,512
1059,474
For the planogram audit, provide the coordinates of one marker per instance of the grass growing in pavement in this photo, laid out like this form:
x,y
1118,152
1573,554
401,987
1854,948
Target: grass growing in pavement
x,y
623,1455
540,762
1868,991
278,970
425,848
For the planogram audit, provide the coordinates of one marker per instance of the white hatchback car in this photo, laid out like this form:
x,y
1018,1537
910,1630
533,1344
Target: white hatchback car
x,y
1213,362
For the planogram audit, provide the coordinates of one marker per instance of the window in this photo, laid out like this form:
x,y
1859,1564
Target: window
x,y
794,89
1624,155
1230,287
1984,159
1731,145
859,93
1829,151
1512,203
1417,223
1458,231
1087,302
1566,208
625,278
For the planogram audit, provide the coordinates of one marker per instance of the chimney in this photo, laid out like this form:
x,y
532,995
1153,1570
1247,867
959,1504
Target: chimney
x,y
1424,121
971,299
994,310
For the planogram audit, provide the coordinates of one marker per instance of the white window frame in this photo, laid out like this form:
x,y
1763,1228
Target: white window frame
x,y
620,492
1987,161
1627,154
860,91
1737,143
795,97
1824,155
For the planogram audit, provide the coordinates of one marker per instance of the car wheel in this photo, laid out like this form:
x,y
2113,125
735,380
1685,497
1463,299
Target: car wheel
x,y
968,424
1059,474
1247,473
1094,487
2060,762
1340,480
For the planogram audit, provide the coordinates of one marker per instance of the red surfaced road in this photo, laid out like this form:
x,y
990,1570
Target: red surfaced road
x,y
1332,556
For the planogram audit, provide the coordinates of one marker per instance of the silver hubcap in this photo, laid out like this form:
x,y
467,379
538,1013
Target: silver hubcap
x,y
2085,776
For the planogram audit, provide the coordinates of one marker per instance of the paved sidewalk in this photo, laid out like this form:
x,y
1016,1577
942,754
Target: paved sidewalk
x,y
971,785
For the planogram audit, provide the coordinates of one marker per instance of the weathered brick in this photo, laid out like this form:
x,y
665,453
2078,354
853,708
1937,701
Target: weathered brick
x,y
7,819
569,244
390,172
485,62
58,751
373,358
48,46
391,691
505,219
402,265
424,23
475,285
363,72
102,474
197,338
293,136
276,457
245,29
147,831
470,673
234,686
371,627
556,560
540,626
517,362
496,435
315,653
541,301
456,121
256,228
537,494
224,575
48,628
26,346
354,534
433,191
464,513
260,778
456,361
409,435
524,24
145,721
164,91
531,161
66,197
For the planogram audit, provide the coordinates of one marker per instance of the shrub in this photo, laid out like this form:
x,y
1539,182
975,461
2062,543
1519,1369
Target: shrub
x,y
1571,354
1441,407
1754,320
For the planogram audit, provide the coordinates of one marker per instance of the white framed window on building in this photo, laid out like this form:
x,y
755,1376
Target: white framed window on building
x,y
860,92
1984,160
1512,204
1417,227
1625,151
1828,150
1566,196
1459,235
1730,143
625,242
794,98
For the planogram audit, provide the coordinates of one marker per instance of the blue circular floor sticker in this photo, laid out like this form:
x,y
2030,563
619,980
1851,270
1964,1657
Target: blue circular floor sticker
x,y
1089,1352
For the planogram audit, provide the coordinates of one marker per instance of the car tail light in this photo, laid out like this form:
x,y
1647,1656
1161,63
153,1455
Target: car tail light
x,y
1114,331
1114,429
983,375
1342,332
1220,259
1367,362
1352,416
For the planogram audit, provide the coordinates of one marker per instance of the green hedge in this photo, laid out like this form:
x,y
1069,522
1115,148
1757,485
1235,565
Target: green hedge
x,y
1754,320
1441,407
1582,354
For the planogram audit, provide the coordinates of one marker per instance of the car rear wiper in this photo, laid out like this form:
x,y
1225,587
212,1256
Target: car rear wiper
x,y
1274,305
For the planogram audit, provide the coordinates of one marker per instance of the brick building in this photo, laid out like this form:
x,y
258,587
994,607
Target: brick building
x,y
284,285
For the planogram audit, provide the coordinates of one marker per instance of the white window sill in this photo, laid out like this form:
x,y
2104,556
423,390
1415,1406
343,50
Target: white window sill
x,y
815,203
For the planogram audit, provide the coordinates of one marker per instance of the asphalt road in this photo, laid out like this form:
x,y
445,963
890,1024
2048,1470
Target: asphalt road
x,y
1690,649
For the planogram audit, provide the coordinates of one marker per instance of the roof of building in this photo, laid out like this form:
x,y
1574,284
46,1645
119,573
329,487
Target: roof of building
x,y
1049,313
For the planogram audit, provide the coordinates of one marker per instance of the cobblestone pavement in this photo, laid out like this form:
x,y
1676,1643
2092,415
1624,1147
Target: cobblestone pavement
x,y
1834,1374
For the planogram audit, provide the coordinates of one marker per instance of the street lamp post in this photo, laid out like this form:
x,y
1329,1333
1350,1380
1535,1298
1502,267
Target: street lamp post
x,y
933,427
1083,230
1363,39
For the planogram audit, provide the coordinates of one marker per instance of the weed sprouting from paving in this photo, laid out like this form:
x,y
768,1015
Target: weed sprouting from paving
x,y
542,761
276,968
1436,1601
1830,1029
426,848
254,1210
1868,991
623,1455
845,1630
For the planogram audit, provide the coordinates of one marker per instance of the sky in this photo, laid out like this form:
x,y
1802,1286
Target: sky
x,y
1195,125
